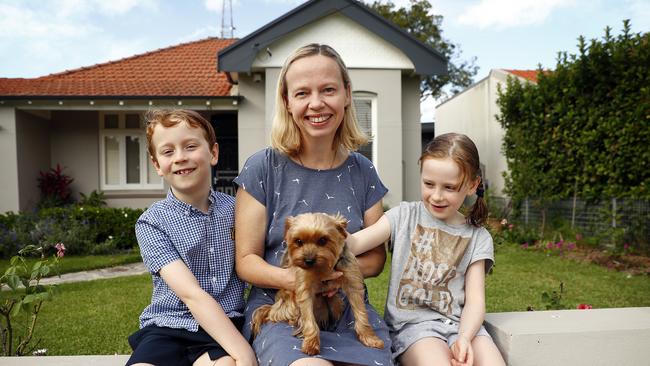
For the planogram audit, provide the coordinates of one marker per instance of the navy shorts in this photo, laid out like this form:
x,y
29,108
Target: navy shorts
x,y
163,346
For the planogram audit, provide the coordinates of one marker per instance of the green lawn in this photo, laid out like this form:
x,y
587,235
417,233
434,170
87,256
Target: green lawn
x,y
96,317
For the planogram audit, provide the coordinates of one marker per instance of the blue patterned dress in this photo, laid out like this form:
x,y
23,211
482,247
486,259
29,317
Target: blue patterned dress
x,y
288,189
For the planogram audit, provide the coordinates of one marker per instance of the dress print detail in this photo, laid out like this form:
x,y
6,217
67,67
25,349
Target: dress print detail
x,y
328,196
432,263
297,180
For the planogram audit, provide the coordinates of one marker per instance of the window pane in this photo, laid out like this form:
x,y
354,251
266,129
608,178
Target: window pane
x,y
363,107
132,160
111,121
133,121
112,162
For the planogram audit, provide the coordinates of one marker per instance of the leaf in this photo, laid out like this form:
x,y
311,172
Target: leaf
x,y
12,281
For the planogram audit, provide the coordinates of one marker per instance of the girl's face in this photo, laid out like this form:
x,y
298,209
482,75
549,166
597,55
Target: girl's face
x,y
442,193
316,96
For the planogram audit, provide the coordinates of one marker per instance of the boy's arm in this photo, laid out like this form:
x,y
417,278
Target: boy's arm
x,y
473,312
370,237
207,312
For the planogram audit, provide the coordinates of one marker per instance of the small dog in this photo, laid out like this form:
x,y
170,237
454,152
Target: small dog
x,y
316,247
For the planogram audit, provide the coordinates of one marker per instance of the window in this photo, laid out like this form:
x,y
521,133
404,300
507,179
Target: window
x,y
124,160
365,107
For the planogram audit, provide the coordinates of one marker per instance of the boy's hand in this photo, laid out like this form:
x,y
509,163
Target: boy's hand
x,y
462,353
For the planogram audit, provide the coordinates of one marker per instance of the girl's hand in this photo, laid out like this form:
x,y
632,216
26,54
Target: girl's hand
x,y
462,353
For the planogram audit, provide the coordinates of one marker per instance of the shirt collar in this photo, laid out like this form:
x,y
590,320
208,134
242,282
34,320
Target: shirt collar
x,y
188,209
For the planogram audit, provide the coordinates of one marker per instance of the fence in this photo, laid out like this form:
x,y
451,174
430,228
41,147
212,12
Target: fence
x,y
630,217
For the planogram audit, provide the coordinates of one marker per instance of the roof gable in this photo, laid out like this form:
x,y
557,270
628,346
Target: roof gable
x,y
184,70
239,57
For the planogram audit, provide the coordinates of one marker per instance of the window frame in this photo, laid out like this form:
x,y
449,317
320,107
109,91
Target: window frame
x,y
121,133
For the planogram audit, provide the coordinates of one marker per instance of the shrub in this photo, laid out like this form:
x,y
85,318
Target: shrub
x,y
55,187
83,229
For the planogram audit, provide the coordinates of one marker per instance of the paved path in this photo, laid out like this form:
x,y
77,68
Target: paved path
x,y
111,272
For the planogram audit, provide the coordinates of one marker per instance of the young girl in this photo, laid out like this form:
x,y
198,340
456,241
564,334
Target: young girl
x,y
436,297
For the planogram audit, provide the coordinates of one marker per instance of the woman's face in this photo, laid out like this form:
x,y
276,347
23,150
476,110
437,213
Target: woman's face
x,y
316,96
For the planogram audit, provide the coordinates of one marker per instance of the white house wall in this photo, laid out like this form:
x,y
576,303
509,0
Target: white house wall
x,y
33,153
9,162
358,47
411,137
251,117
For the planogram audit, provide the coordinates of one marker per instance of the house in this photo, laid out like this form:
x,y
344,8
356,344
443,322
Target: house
x,y
473,112
90,120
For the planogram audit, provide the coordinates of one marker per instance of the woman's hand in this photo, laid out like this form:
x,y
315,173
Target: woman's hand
x,y
331,284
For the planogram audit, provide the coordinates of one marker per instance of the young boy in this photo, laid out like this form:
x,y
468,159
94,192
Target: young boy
x,y
195,315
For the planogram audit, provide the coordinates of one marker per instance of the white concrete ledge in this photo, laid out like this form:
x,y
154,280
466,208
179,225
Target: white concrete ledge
x,y
619,336
116,360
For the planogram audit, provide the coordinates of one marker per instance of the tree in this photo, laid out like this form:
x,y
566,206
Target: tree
x,y
419,22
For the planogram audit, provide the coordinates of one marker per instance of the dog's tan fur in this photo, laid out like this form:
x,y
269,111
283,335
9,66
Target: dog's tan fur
x,y
316,247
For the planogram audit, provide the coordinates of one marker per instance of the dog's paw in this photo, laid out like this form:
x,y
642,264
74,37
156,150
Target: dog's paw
x,y
311,346
371,340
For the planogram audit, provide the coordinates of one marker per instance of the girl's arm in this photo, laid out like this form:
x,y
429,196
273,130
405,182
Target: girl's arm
x,y
250,234
207,312
370,237
473,313
372,261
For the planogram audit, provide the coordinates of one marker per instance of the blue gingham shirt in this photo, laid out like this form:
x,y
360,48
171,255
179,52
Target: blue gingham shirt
x,y
171,230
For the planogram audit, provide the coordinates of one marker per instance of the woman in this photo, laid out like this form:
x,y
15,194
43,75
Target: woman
x,y
311,167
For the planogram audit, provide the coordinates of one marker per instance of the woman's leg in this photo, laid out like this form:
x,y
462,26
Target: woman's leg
x,y
486,352
427,351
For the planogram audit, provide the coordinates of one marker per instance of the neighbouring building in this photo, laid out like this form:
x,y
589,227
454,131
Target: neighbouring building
x,y
473,112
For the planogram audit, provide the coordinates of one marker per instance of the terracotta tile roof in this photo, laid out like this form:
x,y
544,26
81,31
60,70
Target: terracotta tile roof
x,y
530,75
188,69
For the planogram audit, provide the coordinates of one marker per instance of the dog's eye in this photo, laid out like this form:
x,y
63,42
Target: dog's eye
x,y
322,241
298,242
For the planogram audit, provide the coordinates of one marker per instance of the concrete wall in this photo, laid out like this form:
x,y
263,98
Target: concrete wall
x,y
9,197
387,85
412,137
75,145
33,154
251,117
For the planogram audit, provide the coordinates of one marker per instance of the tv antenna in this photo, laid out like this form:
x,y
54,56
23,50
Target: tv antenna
x,y
227,27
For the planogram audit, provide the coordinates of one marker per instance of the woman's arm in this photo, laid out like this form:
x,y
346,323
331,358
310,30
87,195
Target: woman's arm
x,y
207,312
250,234
372,262
473,312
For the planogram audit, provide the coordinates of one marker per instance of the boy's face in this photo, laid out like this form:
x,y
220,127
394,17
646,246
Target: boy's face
x,y
183,158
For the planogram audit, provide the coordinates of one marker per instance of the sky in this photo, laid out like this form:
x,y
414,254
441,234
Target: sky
x,y
40,37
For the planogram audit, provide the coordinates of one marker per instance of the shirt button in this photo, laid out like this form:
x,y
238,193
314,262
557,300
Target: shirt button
x,y
214,279
211,250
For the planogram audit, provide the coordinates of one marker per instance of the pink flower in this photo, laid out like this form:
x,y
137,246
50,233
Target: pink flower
x,y
626,246
524,245
511,226
572,245
584,306
578,237
549,245
60,249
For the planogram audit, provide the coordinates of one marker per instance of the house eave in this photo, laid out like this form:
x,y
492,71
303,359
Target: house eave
x,y
239,56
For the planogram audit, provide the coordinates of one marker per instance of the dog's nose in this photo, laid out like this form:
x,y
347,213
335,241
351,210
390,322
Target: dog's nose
x,y
310,261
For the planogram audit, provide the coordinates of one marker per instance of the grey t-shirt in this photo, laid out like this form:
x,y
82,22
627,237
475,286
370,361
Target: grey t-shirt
x,y
430,258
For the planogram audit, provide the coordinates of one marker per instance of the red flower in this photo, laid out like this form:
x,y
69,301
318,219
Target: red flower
x,y
584,306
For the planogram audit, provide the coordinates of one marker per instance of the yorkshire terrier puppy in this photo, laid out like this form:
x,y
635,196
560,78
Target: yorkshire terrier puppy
x,y
315,248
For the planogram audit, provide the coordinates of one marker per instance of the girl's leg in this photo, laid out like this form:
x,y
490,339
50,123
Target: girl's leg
x,y
427,351
486,352
311,362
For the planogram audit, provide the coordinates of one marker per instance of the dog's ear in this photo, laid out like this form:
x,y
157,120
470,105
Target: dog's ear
x,y
287,224
341,224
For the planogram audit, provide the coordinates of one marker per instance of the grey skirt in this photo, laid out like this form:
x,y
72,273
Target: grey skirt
x,y
275,344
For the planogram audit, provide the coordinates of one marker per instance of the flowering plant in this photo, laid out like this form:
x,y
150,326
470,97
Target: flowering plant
x,y
26,295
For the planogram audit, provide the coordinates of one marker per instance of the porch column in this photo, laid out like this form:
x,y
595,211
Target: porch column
x,y
8,161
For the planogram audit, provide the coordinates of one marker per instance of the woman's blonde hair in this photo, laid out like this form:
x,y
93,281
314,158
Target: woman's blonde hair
x,y
285,135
